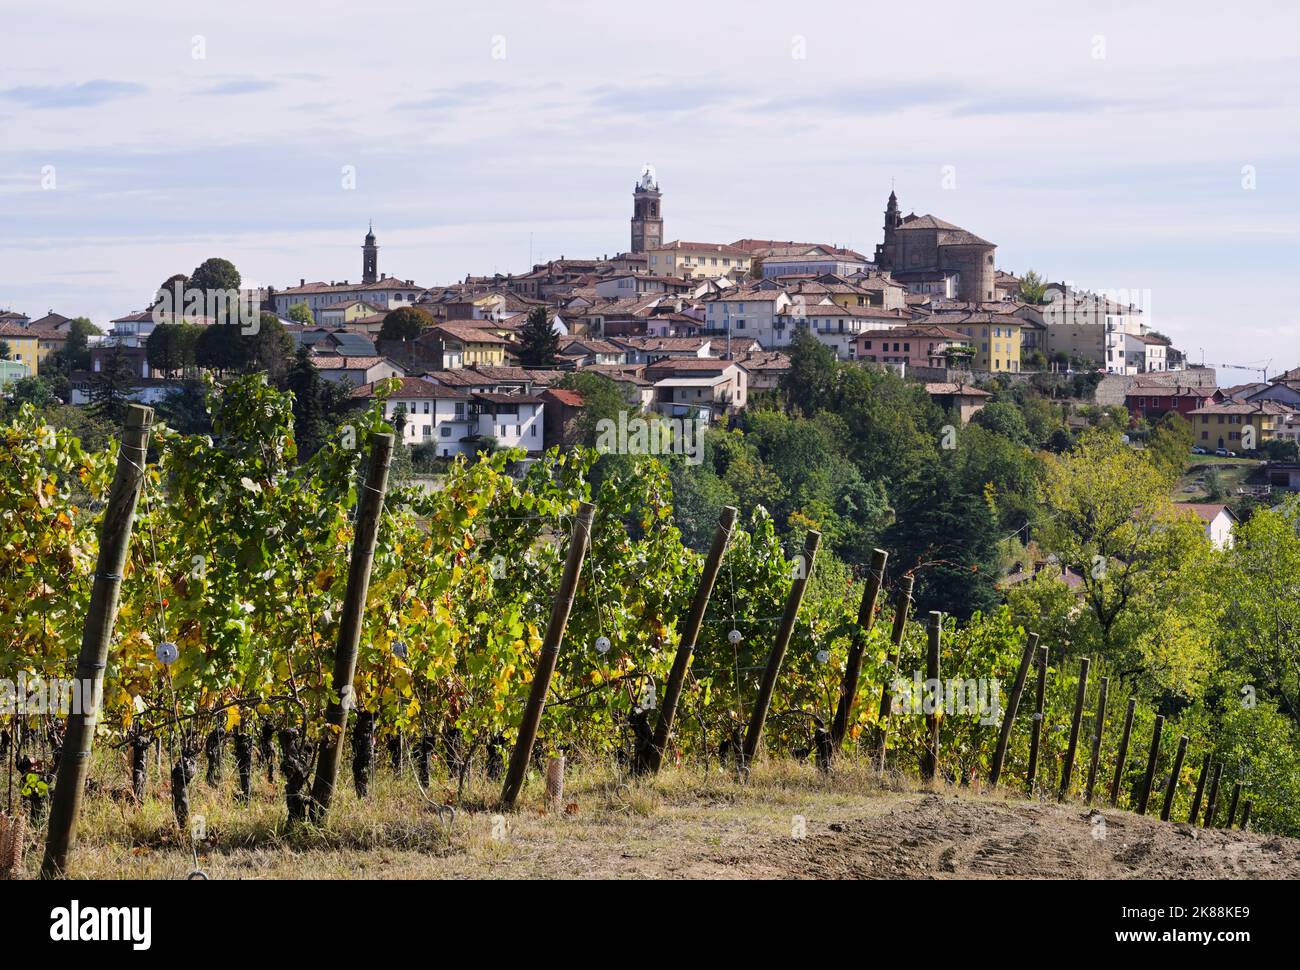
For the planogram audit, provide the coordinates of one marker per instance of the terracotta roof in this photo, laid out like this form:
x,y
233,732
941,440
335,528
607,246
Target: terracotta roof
x,y
920,331
413,387
718,248
461,331
570,398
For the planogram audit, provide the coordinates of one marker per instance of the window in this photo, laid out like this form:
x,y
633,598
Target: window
x,y
445,431
428,431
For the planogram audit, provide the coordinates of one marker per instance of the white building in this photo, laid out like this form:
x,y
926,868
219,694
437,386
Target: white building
x,y
750,313
455,421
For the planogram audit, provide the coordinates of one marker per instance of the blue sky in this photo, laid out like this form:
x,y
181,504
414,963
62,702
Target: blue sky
x,y
1103,145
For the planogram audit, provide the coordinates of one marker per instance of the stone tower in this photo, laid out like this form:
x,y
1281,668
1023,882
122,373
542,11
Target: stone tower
x,y
647,217
893,219
370,258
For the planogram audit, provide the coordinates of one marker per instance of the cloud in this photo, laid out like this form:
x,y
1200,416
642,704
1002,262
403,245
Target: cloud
x,y
84,95
460,96
662,97
243,86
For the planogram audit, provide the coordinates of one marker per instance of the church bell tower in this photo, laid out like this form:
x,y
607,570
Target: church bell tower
x,y
647,216
370,258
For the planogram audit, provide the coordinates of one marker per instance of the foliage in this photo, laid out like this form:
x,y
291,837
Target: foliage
x,y
405,323
539,344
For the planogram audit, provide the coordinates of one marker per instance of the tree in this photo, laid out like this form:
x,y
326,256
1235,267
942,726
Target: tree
x,y
947,538
111,388
1005,419
405,323
1261,632
301,313
171,347
32,390
5,350
1033,289
813,370
220,348
214,274
76,349
1169,444
270,348
538,342
1149,603
186,410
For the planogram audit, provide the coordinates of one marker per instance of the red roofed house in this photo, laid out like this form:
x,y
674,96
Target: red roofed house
x,y
1217,519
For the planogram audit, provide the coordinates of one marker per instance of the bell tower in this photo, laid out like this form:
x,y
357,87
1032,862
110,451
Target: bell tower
x,y
893,219
370,258
647,216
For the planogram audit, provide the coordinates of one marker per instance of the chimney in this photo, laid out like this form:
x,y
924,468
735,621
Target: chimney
x,y
302,281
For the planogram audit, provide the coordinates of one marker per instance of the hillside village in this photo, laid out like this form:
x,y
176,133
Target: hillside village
x,y
688,330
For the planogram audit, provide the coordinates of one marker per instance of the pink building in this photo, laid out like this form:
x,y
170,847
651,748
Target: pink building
x,y
918,346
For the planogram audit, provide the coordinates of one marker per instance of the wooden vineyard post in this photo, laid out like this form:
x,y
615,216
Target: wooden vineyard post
x,y
1075,724
689,634
1200,791
1099,725
902,607
1212,799
853,665
1173,779
96,637
1013,705
758,717
579,541
1149,780
1232,805
1036,728
370,512
1245,813
1122,757
930,757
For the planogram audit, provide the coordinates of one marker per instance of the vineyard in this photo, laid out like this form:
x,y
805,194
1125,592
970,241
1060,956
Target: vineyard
x,y
283,618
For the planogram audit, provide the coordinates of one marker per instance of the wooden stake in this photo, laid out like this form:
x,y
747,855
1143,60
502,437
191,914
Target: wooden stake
x,y
1245,813
370,512
930,756
758,717
96,637
1148,782
1212,799
690,632
1232,805
1075,723
1013,705
1036,728
1122,757
1098,727
902,607
1173,779
579,541
1200,791
853,666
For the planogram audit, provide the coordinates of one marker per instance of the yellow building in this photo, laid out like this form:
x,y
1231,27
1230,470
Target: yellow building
x,y
1224,425
995,338
698,261
24,346
463,345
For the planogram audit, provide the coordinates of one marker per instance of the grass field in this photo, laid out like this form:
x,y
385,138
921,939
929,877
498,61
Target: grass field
x,y
786,821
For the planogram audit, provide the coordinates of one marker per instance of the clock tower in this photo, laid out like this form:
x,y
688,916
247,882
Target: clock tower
x,y
647,217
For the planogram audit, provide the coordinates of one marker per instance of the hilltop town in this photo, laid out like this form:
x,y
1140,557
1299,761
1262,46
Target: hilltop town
x,y
684,329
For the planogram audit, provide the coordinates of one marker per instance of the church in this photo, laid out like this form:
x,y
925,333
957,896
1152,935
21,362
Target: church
x,y
931,256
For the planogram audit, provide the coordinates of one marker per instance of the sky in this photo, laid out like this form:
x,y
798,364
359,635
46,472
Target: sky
x,y
1150,148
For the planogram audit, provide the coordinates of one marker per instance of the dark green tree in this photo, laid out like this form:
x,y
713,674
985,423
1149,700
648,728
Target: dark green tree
x,y
812,375
171,347
405,323
214,274
111,387
538,342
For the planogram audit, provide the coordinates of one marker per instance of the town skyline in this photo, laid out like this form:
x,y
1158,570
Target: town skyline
x,y
1092,169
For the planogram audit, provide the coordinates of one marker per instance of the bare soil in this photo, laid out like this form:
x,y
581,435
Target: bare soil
x,y
786,822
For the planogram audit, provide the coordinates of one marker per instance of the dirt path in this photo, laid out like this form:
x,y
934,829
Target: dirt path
x,y
931,836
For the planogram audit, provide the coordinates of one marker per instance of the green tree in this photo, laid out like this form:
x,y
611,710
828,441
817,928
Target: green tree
x,y
112,386
270,348
1005,419
405,323
214,274
75,353
947,538
813,370
538,342
171,347
5,350
221,348
1033,288
301,313
1170,444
